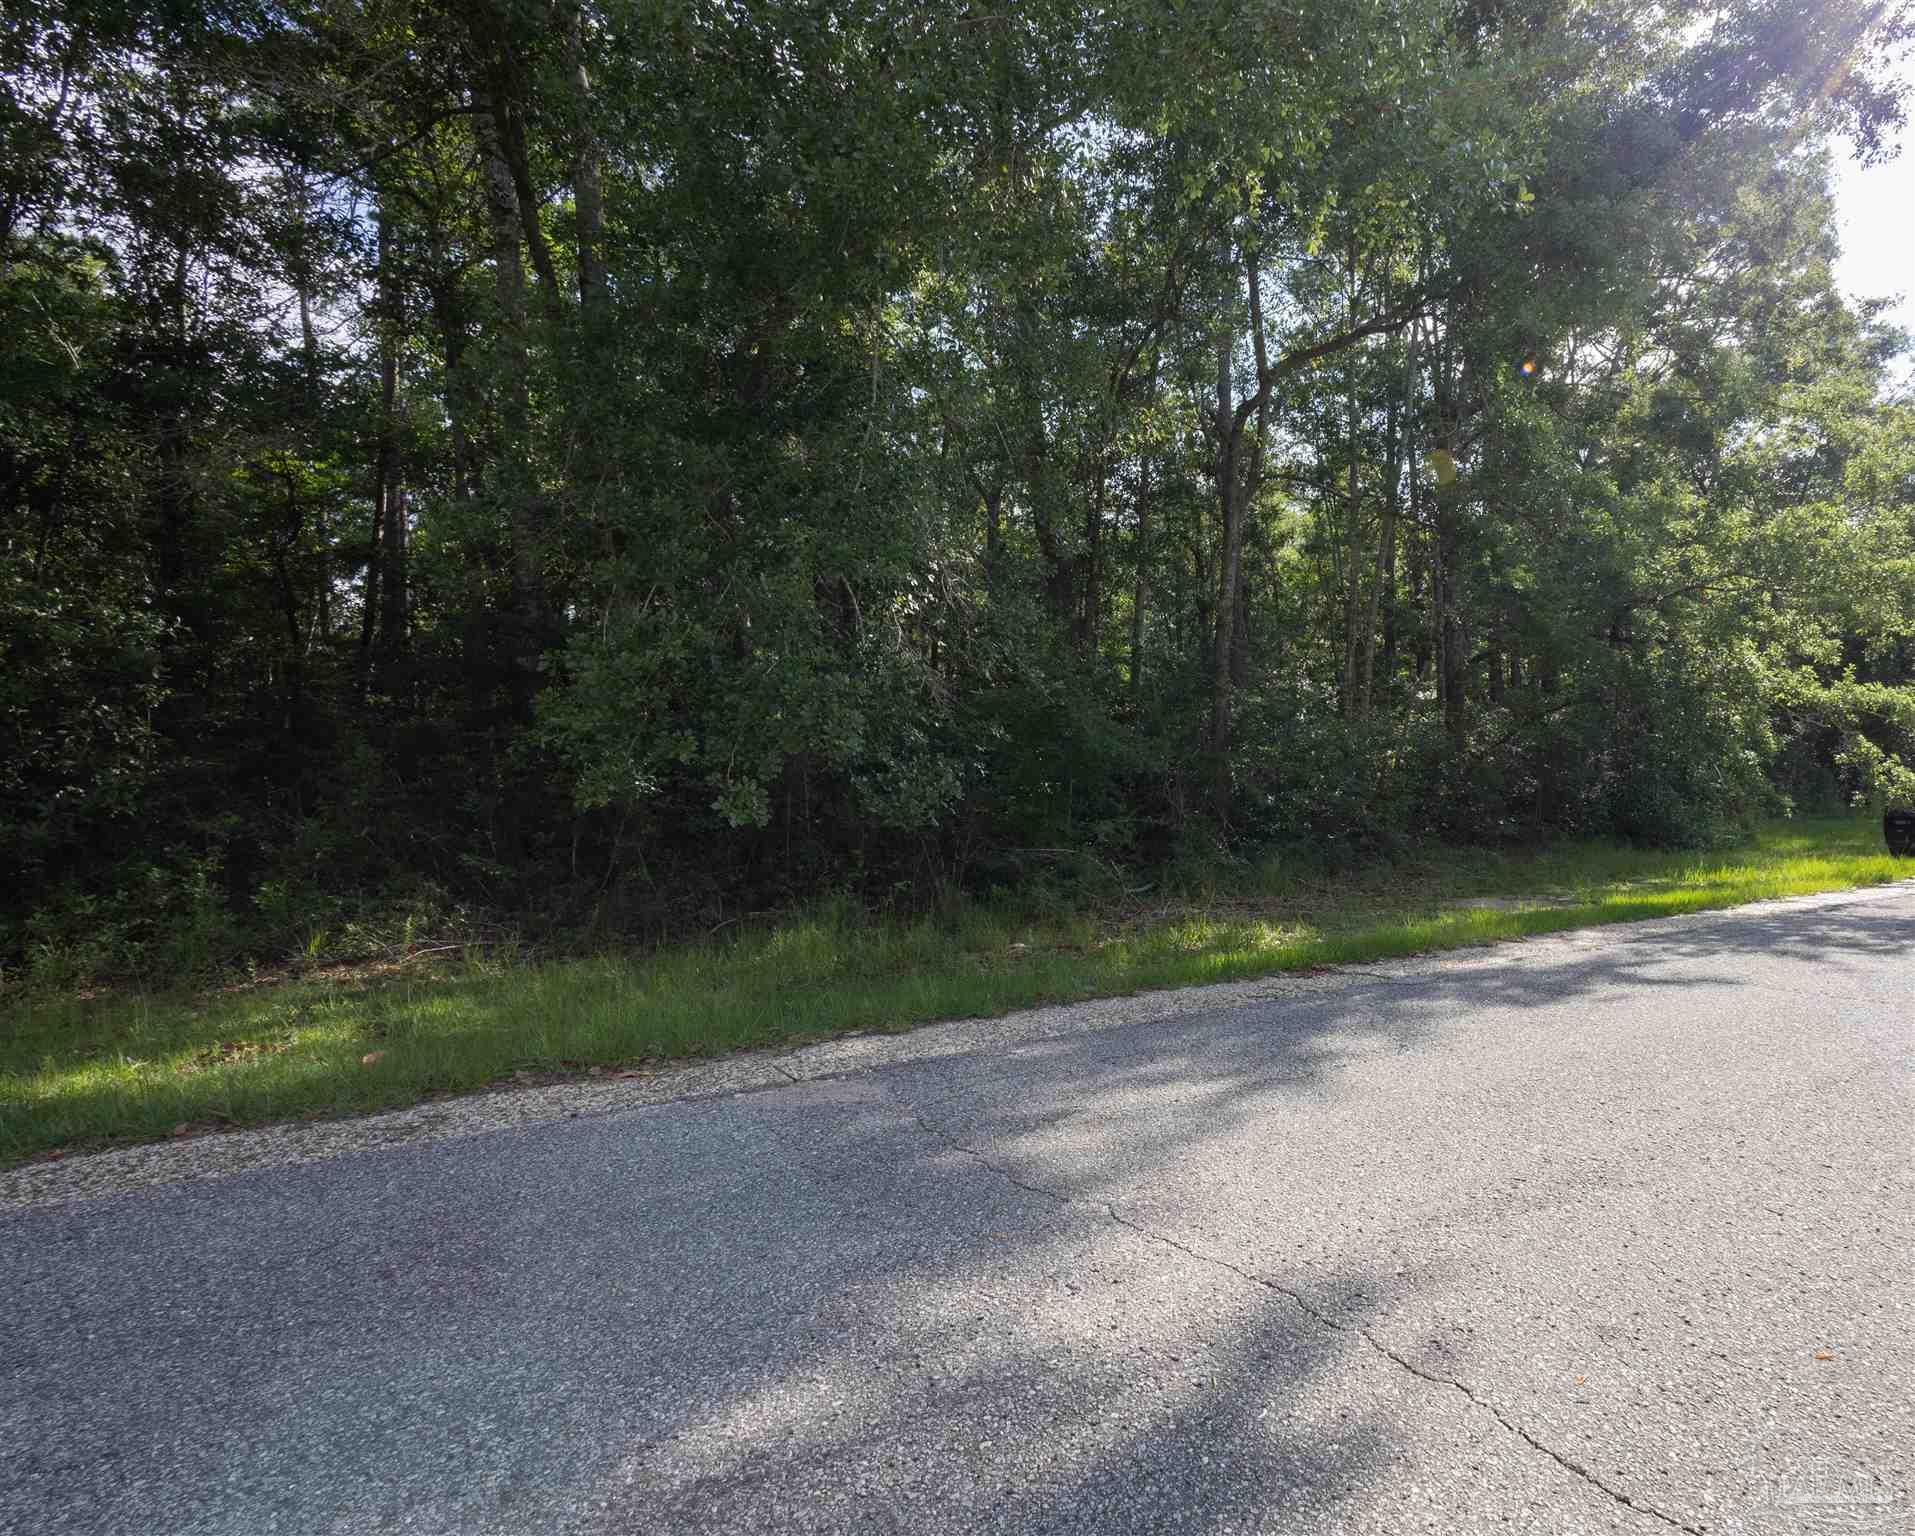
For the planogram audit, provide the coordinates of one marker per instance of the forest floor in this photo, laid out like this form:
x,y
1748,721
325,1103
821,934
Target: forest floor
x,y
78,1072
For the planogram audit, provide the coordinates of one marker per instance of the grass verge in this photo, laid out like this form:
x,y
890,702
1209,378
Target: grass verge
x,y
133,1066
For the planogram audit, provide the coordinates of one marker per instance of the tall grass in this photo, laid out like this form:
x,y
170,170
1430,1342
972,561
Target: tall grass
x,y
138,1066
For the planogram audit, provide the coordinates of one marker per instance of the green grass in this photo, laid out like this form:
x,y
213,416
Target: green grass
x,y
131,1066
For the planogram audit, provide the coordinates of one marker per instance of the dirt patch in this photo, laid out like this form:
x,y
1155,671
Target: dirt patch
x,y
229,1051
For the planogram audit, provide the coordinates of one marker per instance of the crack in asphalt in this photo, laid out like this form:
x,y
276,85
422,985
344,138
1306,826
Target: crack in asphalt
x,y
1317,1316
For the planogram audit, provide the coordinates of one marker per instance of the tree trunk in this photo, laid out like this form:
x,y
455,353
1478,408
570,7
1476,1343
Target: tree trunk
x,y
499,89
1237,485
1229,566
1090,600
1140,589
1452,660
389,497
1204,591
1391,596
369,597
1060,567
383,613
1240,624
1399,456
459,401
461,407
173,484
512,366
588,193
393,606
1385,548
1353,561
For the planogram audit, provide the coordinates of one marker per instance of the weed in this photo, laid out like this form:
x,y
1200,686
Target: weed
x,y
131,1065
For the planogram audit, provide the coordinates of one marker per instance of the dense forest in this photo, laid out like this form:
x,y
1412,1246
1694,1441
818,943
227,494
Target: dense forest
x,y
610,464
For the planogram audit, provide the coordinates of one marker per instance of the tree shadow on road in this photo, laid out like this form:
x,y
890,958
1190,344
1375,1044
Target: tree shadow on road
x,y
986,1292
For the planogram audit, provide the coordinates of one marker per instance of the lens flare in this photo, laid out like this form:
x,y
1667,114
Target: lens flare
x,y
1528,366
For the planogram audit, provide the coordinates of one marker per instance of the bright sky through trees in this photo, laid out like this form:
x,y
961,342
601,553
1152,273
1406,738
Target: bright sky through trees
x,y
1876,208
603,467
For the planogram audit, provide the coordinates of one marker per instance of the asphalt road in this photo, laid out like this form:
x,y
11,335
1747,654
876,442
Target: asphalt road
x,y
1612,1232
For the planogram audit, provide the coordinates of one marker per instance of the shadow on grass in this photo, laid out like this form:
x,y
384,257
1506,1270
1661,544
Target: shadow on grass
x,y
140,1068
819,1307
927,1298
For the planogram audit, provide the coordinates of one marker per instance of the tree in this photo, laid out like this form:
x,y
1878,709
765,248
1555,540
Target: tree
x,y
619,462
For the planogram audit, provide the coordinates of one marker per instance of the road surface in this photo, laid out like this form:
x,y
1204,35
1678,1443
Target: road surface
x,y
1606,1232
